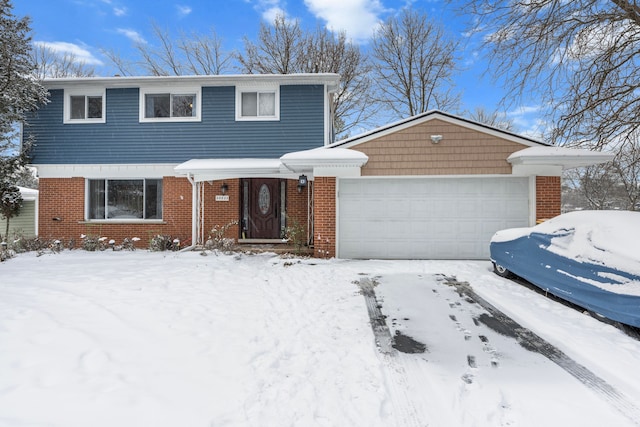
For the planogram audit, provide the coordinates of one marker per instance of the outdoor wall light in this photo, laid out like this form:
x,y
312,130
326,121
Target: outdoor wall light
x,y
224,188
302,182
436,138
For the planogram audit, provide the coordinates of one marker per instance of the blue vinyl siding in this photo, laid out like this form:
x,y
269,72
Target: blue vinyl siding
x,y
122,139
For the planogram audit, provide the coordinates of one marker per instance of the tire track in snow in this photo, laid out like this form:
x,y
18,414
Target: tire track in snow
x,y
396,378
532,342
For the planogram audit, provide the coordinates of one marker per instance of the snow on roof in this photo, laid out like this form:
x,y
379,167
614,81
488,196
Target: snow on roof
x,y
330,79
28,194
323,154
301,161
559,156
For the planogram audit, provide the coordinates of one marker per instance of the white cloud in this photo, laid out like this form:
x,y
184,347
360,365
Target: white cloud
x,y
358,18
183,10
270,14
81,53
133,35
119,11
528,120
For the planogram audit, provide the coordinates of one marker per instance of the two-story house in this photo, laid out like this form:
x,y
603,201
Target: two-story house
x,y
107,149
139,156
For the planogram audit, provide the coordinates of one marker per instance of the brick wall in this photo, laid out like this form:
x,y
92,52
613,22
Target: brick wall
x,y
297,205
61,213
324,192
548,194
220,213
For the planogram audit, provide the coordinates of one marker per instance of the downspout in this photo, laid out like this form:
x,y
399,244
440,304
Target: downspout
x,y
194,214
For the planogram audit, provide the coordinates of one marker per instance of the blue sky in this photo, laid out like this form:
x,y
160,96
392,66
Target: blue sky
x,y
84,27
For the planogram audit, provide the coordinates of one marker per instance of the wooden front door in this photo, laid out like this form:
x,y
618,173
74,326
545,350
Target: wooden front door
x,y
262,213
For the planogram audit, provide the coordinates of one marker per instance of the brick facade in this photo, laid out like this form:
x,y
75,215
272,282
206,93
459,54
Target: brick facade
x,y
62,205
297,206
548,195
220,213
324,191
62,211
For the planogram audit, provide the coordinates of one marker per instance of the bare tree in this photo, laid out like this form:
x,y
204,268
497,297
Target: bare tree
x,y
414,64
193,54
285,48
494,119
597,184
627,165
279,50
579,57
52,64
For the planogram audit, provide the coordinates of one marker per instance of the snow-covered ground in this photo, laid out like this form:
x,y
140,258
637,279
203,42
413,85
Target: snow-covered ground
x,y
166,339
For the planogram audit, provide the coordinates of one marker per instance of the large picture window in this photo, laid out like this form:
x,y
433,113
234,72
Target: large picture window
x,y
263,104
169,106
123,199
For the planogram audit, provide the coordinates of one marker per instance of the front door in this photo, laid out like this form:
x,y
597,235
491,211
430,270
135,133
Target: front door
x,y
261,202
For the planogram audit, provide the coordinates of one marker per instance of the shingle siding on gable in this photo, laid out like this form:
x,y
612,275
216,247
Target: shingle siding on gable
x,y
122,139
461,151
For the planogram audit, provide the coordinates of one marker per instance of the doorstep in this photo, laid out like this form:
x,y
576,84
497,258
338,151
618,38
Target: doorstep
x,y
278,246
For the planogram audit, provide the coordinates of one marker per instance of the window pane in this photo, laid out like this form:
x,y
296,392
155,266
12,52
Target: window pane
x,y
95,107
125,198
96,199
153,199
267,104
77,107
249,104
157,105
183,105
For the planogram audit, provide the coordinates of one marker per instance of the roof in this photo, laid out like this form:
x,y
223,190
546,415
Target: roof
x,y
330,79
436,115
287,166
28,194
559,156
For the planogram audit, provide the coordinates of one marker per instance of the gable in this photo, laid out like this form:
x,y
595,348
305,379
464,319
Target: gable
x,y
463,150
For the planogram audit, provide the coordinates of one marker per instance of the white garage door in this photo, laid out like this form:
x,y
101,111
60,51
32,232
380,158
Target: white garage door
x,y
427,218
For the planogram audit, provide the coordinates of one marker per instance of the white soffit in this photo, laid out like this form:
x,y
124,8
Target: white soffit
x,y
563,157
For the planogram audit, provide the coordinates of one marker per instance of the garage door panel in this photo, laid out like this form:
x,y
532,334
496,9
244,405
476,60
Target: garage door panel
x,y
422,218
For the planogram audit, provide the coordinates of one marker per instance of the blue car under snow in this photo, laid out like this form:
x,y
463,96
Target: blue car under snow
x,y
589,258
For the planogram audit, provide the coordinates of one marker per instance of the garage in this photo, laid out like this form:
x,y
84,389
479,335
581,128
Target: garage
x,y
428,217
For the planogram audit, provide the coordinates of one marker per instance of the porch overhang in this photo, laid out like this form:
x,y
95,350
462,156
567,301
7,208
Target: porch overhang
x,y
551,161
213,169
316,162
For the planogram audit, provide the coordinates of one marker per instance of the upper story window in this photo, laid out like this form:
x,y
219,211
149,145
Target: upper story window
x,y
84,106
257,103
183,105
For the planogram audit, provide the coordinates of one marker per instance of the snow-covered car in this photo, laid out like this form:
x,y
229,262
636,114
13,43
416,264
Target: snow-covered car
x,y
589,258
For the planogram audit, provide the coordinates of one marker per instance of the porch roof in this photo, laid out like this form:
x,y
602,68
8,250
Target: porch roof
x,y
288,166
210,169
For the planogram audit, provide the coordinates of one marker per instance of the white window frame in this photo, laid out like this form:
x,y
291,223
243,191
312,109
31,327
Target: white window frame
x,y
86,92
87,198
175,91
275,89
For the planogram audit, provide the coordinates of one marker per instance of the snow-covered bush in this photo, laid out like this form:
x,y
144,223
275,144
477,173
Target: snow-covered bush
x,y
161,242
296,233
5,252
93,243
217,239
